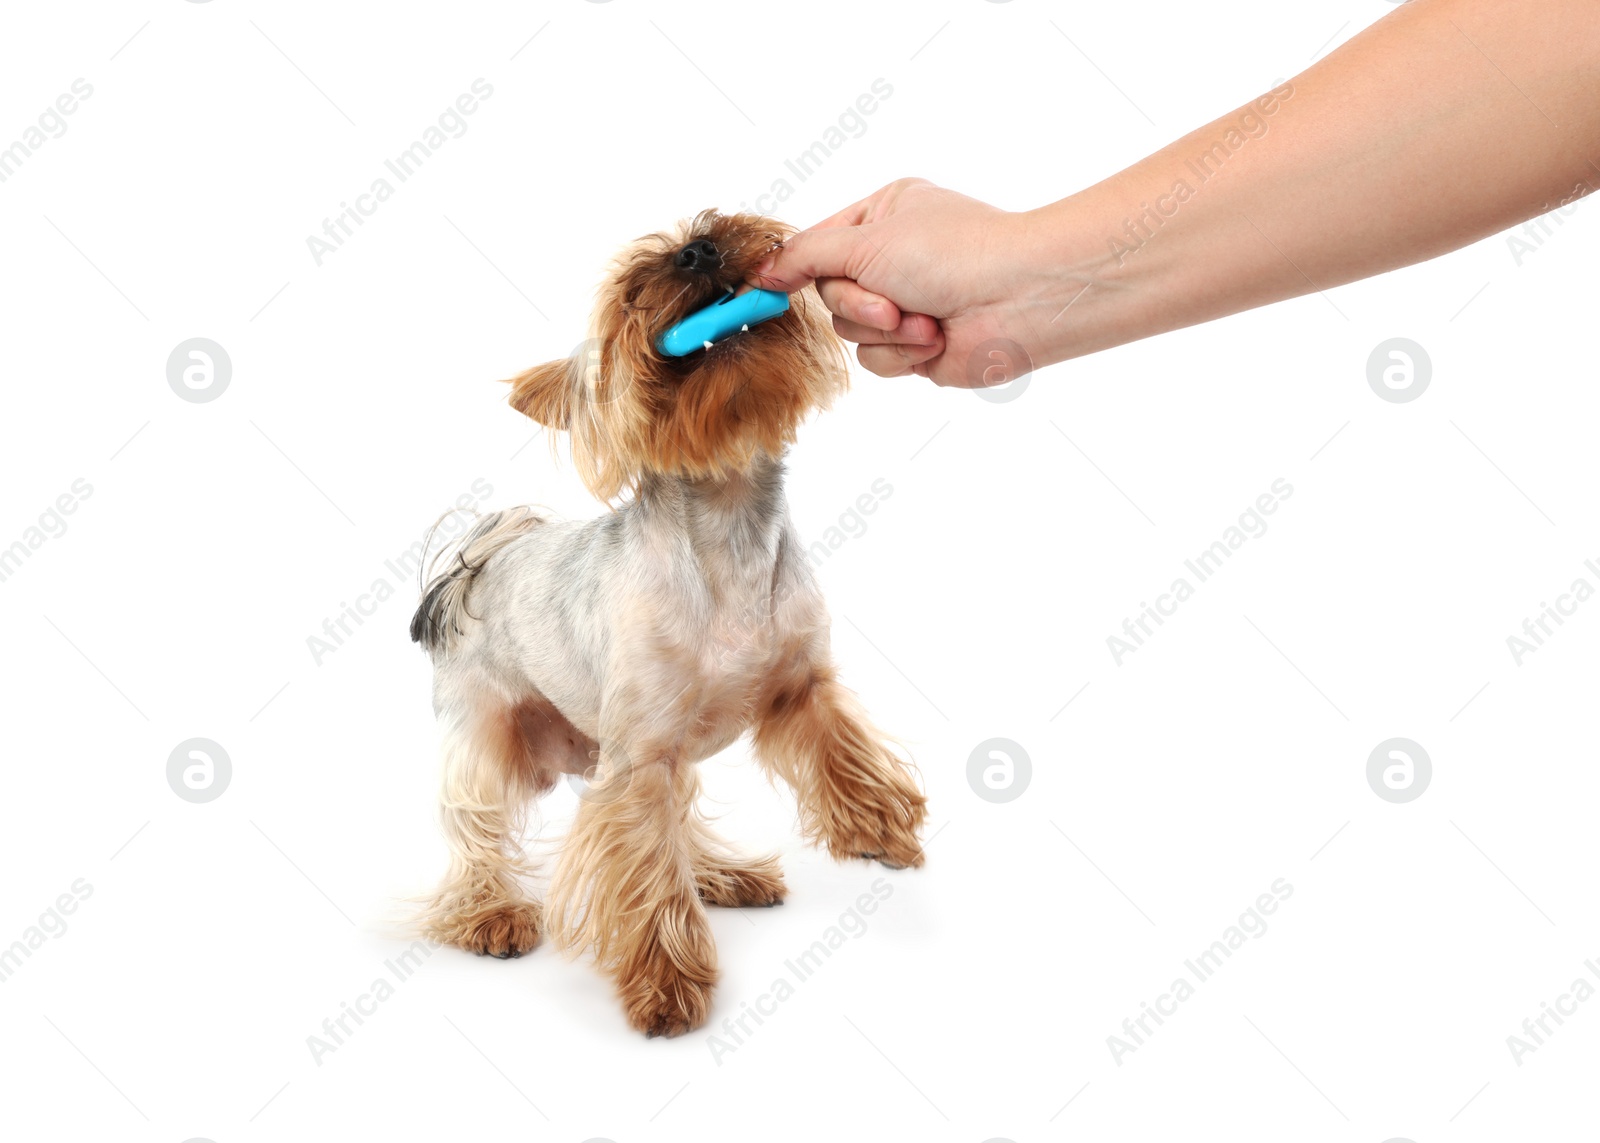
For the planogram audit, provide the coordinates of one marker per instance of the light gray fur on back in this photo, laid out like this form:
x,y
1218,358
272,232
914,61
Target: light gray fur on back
x,y
684,595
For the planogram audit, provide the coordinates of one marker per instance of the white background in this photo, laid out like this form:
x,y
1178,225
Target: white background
x,y
1170,793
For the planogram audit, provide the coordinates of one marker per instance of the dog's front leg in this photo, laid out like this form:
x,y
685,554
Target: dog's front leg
x,y
856,795
625,887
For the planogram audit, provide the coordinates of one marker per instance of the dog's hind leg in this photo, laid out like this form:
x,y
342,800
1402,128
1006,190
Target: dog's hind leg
x,y
722,875
490,776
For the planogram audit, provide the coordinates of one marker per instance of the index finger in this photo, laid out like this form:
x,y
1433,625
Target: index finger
x,y
781,270
828,252
853,215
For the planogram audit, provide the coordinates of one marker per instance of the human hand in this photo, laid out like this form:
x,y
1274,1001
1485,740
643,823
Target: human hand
x,y
918,276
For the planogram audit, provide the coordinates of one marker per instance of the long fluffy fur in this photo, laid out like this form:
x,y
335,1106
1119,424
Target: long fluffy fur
x,y
630,647
438,617
631,411
481,906
855,795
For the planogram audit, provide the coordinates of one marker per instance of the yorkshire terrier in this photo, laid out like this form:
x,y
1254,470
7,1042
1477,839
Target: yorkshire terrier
x,y
628,648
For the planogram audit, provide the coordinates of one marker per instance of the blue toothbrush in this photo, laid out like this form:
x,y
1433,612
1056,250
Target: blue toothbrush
x,y
722,318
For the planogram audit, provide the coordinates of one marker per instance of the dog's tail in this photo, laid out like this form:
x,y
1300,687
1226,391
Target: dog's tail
x,y
438,616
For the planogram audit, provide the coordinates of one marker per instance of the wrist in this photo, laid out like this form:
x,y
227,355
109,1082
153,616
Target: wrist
x,y
1075,291
1132,257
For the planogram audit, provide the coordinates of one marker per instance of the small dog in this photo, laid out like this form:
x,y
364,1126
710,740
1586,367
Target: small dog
x,y
628,648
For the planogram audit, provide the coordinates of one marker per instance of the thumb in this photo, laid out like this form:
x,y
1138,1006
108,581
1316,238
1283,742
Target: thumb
x,y
821,252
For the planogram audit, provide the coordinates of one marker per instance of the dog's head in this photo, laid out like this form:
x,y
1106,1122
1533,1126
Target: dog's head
x,y
632,410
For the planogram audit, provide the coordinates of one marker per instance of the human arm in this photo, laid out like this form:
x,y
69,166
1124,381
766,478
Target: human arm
x,y
1444,122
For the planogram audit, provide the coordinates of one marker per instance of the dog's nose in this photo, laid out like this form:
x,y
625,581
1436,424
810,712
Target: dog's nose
x,y
701,256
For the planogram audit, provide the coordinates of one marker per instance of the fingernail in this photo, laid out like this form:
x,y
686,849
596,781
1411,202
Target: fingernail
x,y
877,315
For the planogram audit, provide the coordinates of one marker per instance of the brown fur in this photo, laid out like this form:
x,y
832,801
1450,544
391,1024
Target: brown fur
x,y
856,797
626,888
632,410
712,626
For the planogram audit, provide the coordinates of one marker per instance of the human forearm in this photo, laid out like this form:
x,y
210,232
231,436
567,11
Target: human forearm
x,y
1444,122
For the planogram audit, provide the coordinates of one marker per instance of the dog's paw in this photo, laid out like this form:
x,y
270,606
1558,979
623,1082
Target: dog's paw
x,y
665,1001
666,980
505,932
669,1016
897,853
885,861
885,826
736,886
891,844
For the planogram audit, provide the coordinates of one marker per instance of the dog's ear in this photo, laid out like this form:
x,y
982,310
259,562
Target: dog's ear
x,y
545,393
